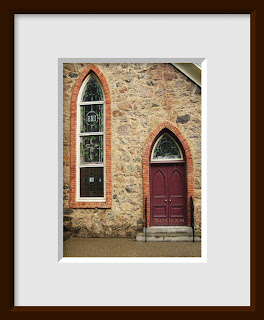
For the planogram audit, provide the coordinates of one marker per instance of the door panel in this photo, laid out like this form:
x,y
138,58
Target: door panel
x,y
159,202
168,195
177,216
175,182
160,215
159,183
159,211
177,195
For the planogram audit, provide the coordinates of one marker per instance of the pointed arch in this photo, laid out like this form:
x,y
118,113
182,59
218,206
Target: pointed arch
x,y
166,148
152,138
90,69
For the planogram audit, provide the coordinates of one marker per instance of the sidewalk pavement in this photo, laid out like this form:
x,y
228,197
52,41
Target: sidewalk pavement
x,y
123,247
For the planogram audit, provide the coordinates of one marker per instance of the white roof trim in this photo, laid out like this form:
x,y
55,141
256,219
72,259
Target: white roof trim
x,y
191,70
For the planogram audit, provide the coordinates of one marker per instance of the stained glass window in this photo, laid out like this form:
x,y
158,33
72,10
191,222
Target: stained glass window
x,y
92,91
92,182
166,148
91,149
92,118
91,140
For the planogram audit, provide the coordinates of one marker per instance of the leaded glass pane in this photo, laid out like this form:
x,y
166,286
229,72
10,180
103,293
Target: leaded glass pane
x,y
92,118
92,91
92,182
166,148
91,148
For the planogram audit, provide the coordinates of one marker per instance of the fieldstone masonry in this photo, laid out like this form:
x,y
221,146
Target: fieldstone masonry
x,y
142,97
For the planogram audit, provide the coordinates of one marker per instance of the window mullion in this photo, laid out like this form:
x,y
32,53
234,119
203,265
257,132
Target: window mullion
x,y
82,134
92,165
90,103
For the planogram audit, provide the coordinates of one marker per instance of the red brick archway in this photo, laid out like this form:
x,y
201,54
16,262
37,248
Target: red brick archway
x,y
146,160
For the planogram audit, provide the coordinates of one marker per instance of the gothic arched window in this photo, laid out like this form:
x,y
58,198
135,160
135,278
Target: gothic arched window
x,y
91,140
166,149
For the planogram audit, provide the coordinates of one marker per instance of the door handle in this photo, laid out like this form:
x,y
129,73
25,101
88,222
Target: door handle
x,y
166,200
170,200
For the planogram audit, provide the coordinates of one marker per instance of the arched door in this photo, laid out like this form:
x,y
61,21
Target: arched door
x,y
168,190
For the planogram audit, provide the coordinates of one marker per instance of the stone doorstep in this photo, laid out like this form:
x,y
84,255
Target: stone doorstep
x,y
179,237
174,234
168,229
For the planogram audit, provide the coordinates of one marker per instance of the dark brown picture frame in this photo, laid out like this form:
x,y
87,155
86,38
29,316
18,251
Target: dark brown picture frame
x,y
8,310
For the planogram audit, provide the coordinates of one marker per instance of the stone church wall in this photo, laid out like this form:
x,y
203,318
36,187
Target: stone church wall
x,y
142,97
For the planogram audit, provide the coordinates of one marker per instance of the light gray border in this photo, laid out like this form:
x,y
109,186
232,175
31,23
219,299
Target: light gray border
x,y
131,60
60,159
61,61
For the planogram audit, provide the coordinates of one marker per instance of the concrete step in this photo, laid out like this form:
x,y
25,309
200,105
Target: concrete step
x,y
177,237
168,229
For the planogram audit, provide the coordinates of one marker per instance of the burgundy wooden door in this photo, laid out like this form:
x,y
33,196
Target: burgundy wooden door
x,y
168,195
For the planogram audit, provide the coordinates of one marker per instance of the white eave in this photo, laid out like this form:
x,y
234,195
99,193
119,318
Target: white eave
x,y
191,70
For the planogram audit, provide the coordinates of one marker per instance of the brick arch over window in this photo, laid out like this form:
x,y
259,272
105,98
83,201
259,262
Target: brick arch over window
x,y
146,163
108,182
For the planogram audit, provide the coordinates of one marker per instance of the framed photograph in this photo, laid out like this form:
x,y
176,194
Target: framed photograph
x,y
132,155
133,152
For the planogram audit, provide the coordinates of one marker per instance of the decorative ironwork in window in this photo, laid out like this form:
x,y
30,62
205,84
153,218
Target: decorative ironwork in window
x,y
92,118
92,91
166,148
91,149
91,165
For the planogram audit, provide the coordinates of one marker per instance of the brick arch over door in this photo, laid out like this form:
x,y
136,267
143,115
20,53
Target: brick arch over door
x,y
73,203
146,164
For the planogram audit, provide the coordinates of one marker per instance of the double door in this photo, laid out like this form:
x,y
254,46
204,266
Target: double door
x,y
168,205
